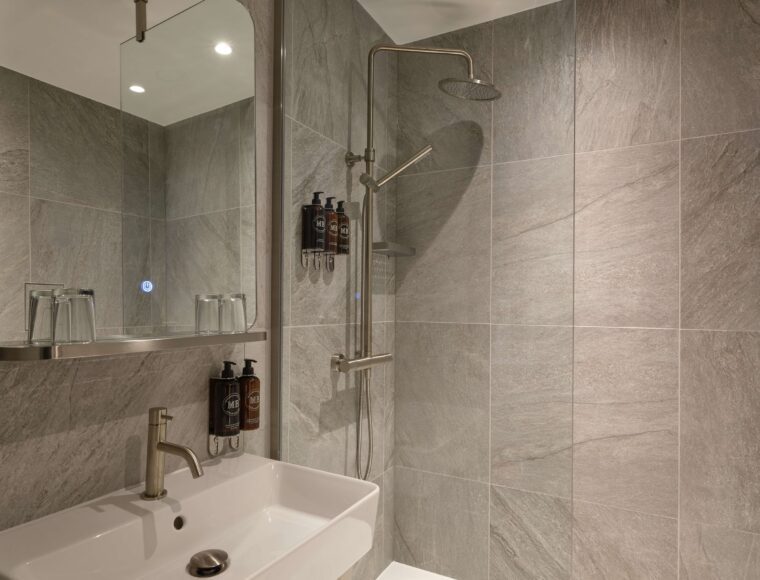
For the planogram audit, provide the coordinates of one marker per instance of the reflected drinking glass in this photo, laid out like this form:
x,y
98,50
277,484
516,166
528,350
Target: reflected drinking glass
x,y
40,316
232,313
74,315
207,307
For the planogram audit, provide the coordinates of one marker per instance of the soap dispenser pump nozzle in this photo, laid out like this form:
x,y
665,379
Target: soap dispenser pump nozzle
x,y
228,373
248,368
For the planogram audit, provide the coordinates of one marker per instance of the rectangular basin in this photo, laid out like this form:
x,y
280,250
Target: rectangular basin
x,y
275,520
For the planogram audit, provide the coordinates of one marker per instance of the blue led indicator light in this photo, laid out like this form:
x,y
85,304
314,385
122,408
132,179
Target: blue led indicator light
x,y
146,286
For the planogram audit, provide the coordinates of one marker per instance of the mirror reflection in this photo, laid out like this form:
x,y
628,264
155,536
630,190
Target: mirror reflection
x,y
126,168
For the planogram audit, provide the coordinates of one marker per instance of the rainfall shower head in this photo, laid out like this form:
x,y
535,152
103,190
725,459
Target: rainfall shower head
x,y
469,89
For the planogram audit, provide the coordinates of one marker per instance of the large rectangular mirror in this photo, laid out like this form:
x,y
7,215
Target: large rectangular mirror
x,y
126,167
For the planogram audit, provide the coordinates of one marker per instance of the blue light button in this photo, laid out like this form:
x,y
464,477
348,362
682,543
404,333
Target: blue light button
x,y
146,286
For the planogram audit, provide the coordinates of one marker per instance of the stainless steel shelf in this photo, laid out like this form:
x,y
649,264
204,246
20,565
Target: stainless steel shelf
x,y
110,347
393,250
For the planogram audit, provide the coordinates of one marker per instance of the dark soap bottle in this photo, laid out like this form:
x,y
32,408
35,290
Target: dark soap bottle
x,y
313,225
331,224
250,393
344,229
224,403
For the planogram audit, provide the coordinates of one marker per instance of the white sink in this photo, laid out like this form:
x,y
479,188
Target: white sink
x,y
275,520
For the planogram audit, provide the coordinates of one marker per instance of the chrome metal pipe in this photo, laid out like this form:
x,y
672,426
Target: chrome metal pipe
x,y
141,19
341,364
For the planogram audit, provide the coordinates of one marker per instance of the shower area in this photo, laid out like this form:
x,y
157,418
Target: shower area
x,y
564,272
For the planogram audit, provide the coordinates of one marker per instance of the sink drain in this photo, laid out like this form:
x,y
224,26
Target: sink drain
x,y
208,563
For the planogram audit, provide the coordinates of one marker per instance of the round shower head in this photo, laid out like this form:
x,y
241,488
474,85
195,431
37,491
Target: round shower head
x,y
469,89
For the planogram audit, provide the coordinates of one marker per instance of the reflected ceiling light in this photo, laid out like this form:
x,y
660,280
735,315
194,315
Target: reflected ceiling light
x,y
223,48
137,89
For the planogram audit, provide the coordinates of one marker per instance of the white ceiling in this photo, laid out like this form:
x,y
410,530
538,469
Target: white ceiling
x,y
410,20
75,44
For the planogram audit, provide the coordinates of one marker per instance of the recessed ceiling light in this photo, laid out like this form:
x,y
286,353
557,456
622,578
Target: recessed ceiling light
x,y
223,48
137,89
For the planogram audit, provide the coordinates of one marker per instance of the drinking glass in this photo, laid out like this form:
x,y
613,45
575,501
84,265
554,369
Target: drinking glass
x,y
207,307
74,315
40,316
232,313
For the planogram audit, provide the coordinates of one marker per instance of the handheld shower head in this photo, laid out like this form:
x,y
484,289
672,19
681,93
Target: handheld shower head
x,y
471,89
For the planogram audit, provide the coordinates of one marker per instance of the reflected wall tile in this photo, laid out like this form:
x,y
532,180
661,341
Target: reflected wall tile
x,y
626,265
442,398
136,268
322,411
721,41
320,297
534,118
458,130
76,151
135,164
441,524
203,163
716,553
613,543
157,170
248,255
14,266
158,272
202,257
389,447
14,132
446,217
248,159
720,268
531,535
531,408
627,73
626,419
82,248
532,242
720,403
389,515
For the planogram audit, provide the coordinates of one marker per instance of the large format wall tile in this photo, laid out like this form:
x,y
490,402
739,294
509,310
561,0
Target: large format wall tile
x,y
716,553
76,153
627,73
79,247
320,297
136,166
721,41
14,264
532,242
626,262
531,535
626,419
720,404
720,265
14,132
441,524
322,408
203,163
534,117
157,170
612,543
531,408
446,217
442,398
202,257
458,130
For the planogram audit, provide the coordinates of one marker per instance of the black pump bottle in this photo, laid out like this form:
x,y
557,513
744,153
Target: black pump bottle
x,y
313,226
331,224
224,403
344,229
250,394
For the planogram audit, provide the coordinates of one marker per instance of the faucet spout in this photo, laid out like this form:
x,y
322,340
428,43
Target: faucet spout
x,y
158,447
185,453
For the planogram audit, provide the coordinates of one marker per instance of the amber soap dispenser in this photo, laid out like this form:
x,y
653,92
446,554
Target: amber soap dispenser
x,y
250,394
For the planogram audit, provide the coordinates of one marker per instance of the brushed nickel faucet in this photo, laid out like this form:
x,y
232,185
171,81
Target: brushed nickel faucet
x,y
157,447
